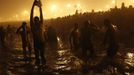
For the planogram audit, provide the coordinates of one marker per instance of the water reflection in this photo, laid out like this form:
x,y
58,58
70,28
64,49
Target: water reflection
x,y
67,62
130,59
60,43
130,55
115,27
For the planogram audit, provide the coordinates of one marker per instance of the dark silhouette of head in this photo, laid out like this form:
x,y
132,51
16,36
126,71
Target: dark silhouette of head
x,y
107,23
36,19
24,24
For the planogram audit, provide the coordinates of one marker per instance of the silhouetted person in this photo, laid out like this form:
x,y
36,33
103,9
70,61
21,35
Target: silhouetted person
x,y
52,42
86,44
110,40
2,37
112,48
4,52
51,37
24,32
74,38
38,34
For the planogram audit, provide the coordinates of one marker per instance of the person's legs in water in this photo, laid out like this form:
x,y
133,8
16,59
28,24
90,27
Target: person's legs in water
x,y
85,59
102,65
112,51
83,54
29,50
37,59
40,59
42,49
86,53
76,50
120,67
111,54
108,60
91,51
53,49
24,53
36,51
43,60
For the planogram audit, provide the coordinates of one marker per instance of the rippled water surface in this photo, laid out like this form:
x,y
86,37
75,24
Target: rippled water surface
x,y
63,62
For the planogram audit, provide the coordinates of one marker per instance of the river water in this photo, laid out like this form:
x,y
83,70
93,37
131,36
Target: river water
x,y
64,63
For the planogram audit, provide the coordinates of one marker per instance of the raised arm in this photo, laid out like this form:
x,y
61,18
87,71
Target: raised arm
x,y
31,15
18,30
41,15
36,3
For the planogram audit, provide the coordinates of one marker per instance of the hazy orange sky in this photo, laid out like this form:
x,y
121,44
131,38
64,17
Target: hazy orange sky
x,y
20,9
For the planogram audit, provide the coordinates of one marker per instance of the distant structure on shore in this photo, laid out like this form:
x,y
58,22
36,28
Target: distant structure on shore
x,y
123,7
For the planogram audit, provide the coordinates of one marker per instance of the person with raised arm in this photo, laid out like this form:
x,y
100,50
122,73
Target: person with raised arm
x,y
36,24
